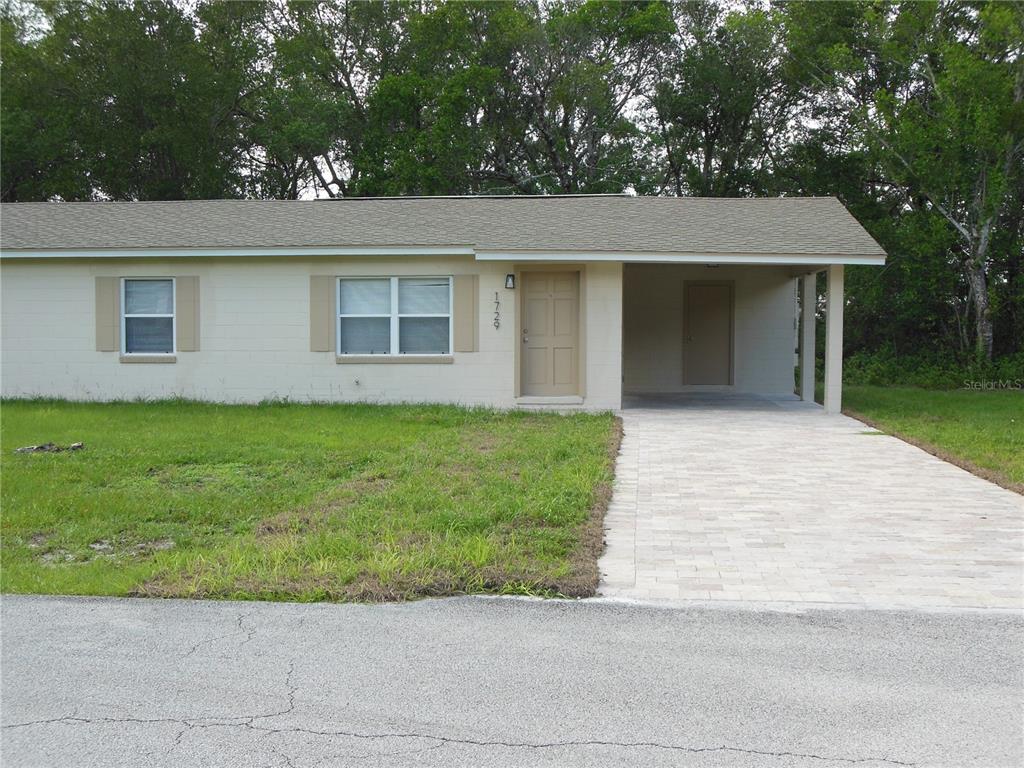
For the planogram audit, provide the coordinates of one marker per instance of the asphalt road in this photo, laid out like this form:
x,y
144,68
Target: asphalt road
x,y
503,682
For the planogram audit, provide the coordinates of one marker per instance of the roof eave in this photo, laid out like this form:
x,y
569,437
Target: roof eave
x,y
524,256
701,257
185,253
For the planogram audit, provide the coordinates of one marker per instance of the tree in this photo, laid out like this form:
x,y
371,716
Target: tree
x,y
327,61
955,136
722,108
451,121
138,100
585,78
514,98
41,157
933,92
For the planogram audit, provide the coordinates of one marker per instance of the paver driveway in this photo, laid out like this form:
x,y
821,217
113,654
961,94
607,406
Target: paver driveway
x,y
744,498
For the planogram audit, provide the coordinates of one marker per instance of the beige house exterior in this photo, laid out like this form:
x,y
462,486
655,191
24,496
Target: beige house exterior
x,y
563,302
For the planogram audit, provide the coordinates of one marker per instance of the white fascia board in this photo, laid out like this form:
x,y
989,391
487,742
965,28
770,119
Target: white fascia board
x,y
634,257
185,253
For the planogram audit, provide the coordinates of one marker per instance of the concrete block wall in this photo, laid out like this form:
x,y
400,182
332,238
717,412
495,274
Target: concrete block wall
x,y
764,317
254,335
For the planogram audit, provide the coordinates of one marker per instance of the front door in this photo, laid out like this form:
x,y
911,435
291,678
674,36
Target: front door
x,y
550,333
707,335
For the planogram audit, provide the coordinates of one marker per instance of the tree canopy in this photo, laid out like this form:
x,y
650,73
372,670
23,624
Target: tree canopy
x,y
911,113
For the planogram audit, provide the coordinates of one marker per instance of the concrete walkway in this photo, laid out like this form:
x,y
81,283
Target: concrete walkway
x,y
738,498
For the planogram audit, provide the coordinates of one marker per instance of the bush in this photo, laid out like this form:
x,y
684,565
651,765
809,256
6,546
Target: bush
x,y
929,370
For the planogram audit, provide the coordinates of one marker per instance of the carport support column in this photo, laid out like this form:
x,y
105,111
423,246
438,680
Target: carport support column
x,y
809,319
834,340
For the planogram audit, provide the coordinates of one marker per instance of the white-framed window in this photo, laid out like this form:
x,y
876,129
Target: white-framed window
x,y
394,315
147,316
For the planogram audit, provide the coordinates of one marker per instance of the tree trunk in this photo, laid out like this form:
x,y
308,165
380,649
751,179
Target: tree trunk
x,y
978,284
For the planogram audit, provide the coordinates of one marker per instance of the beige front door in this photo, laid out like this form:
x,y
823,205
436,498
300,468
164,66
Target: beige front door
x,y
550,333
707,333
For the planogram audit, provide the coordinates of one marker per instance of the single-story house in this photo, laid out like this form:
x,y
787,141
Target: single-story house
x,y
562,301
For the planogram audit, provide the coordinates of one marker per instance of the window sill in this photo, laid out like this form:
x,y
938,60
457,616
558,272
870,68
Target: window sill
x,y
394,359
149,359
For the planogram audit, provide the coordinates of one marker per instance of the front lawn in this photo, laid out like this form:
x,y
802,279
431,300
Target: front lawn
x,y
301,502
983,431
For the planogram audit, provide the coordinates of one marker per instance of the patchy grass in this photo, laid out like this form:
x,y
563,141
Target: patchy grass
x,y
982,431
301,502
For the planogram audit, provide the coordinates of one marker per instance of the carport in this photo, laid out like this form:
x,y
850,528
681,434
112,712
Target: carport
x,y
737,324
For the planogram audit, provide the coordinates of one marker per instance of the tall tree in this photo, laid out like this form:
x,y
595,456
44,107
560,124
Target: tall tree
x,y
586,78
39,146
449,122
722,109
954,137
327,62
142,97
934,92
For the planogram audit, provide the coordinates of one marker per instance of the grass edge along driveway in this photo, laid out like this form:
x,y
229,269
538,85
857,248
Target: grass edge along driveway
x,y
302,502
979,431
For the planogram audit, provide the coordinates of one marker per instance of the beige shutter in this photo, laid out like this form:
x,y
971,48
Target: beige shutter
x,y
466,311
186,313
322,320
108,314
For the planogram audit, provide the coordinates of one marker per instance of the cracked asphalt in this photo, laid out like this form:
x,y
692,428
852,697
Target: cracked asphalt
x,y
504,682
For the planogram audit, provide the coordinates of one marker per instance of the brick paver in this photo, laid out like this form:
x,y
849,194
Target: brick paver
x,y
748,499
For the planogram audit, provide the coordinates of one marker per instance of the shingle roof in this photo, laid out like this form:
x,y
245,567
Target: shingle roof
x,y
612,223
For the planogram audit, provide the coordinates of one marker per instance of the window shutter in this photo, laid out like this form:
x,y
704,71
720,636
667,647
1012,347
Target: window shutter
x,y
322,319
466,312
108,314
186,313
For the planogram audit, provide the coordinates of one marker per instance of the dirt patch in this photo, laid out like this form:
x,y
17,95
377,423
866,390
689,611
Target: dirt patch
x,y
56,556
38,541
312,517
108,548
484,442
459,469
156,545
371,484
200,476
289,521
985,474
296,520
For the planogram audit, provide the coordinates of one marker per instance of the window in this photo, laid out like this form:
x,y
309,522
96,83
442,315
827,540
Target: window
x,y
147,318
394,316
364,308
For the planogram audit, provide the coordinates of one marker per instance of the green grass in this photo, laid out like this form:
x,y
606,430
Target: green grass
x,y
300,502
980,430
